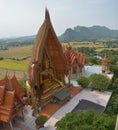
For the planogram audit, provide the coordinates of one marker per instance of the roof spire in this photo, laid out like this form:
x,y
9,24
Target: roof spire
x,y
47,16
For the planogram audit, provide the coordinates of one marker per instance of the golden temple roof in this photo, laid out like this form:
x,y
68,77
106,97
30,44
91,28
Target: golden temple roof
x,y
47,42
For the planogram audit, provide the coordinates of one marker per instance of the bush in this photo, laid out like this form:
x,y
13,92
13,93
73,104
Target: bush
x,y
99,82
41,120
83,81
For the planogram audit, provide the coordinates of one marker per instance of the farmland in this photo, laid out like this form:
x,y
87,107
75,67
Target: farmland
x,y
17,58
17,52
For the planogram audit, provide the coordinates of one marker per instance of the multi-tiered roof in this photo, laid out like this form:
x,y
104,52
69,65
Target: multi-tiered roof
x,y
47,43
73,56
11,99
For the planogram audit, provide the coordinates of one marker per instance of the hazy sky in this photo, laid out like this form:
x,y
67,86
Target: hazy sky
x,y
24,17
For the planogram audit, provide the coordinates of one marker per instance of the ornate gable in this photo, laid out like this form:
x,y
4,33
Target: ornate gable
x,y
75,60
46,43
48,67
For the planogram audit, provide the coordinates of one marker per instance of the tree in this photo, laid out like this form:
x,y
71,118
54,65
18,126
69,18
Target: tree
x,y
86,121
99,82
22,82
112,107
114,87
104,122
69,122
114,69
83,81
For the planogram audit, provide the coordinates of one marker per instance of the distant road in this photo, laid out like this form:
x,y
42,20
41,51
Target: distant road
x,y
18,74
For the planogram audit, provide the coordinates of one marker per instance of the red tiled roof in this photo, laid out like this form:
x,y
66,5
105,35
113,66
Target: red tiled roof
x,y
5,82
7,106
18,90
72,56
12,84
2,92
11,101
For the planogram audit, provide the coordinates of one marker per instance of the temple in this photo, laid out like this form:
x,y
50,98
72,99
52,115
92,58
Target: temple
x,y
48,66
11,99
75,60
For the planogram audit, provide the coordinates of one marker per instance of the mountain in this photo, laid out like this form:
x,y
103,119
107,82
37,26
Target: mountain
x,y
25,40
80,33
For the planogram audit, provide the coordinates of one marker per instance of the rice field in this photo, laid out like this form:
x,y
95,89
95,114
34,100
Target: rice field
x,y
14,65
20,65
17,52
24,52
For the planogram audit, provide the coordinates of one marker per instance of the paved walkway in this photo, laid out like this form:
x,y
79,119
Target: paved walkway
x,y
94,96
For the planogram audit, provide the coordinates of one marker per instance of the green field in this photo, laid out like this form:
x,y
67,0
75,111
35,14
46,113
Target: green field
x,y
17,52
14,65
16,58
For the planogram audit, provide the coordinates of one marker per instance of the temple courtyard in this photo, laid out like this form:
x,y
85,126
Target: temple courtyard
x,y
55,112
100,98
45,85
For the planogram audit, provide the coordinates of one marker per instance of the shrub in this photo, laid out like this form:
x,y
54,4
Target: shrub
x,y
41,120
1,58
99,82
83,81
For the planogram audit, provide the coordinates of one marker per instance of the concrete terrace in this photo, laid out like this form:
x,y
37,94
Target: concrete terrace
x,y
94,96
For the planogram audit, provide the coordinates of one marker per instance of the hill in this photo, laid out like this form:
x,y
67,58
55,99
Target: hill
x,y
80,33
19,41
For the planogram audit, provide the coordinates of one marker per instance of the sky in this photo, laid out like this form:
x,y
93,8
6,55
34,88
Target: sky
x,y
24,17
